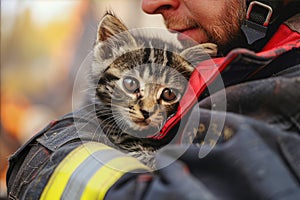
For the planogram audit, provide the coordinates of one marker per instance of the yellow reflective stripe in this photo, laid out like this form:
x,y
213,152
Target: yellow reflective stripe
x,y
59,179
107,175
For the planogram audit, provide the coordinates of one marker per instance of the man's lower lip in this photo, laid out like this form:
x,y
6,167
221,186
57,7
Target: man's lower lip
x,y
186,34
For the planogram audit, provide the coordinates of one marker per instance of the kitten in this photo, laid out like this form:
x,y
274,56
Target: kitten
x,y
138,81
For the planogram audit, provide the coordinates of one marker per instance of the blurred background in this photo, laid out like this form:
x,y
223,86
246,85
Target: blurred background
x,y
43,43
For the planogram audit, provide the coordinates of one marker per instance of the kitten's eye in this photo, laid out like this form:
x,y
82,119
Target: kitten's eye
x,y
131,84
169,94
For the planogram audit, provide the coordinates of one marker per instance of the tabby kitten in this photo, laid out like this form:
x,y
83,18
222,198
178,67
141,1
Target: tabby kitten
x,y
138,84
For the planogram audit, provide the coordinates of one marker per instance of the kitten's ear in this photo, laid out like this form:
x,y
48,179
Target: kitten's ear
x,y
111,26
111,36
200,52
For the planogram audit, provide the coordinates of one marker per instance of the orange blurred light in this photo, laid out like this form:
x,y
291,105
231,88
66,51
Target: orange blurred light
x,y
12,112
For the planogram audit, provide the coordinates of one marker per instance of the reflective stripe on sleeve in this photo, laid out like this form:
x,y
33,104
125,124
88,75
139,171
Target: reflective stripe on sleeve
x,y
88,172
106,176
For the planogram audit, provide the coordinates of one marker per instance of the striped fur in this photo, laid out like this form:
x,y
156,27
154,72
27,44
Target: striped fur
x,y
158,69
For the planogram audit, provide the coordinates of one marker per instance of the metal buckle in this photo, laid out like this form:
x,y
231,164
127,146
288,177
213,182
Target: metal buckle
x,y
269,8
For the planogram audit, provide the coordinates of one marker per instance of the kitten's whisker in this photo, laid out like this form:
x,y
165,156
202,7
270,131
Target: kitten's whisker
x,y
107,123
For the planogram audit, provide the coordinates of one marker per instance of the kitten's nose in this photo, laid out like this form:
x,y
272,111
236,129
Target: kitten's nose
x,y
146,113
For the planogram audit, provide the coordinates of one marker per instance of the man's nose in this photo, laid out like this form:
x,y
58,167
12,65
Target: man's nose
x,y
156,6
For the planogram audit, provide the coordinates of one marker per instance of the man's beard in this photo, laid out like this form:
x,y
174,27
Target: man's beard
x,y
230,23
225,30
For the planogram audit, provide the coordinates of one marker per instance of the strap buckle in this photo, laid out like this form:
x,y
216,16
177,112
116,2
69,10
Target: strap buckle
x,y
257,29
257,3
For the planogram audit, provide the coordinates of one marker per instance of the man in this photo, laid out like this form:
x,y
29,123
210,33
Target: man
x,y
203,21
257,151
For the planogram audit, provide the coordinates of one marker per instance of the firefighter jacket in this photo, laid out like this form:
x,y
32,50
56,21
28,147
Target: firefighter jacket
x,y
253,154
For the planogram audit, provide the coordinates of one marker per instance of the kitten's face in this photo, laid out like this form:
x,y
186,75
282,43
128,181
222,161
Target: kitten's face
x,y
140,85
145,96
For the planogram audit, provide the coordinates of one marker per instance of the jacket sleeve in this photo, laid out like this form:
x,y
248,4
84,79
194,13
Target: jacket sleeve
x,y
86,172
53,166
93,170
